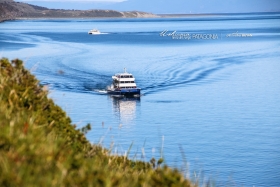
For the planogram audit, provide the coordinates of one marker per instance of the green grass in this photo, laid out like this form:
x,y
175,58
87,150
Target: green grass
x,y
40,147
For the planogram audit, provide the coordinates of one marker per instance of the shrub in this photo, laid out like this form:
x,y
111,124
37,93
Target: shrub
x,y
40,147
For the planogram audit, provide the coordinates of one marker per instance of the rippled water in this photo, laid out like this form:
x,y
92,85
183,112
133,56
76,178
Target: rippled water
x,y
209,105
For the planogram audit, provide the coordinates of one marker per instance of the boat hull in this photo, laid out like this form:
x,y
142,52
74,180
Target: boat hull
x,y
94,33
125,92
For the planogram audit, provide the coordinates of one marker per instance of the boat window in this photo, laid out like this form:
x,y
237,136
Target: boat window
x,y
122,76
132,81
130,76
122,81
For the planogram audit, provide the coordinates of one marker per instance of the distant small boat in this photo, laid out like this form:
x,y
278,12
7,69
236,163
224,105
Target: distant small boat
x,y
124,85
94,31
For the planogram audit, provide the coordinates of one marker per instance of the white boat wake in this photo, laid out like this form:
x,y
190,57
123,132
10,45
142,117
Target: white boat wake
x,y
101,91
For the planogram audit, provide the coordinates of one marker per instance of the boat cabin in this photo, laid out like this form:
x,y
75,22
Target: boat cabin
x,y
123,81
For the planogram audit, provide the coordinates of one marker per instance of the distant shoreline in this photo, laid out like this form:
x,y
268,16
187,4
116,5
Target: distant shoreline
x,y
185,15
11,10
149,16
213,14
56,18
88,18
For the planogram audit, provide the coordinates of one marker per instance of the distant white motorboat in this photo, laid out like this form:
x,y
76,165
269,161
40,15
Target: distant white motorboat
x,y
94,31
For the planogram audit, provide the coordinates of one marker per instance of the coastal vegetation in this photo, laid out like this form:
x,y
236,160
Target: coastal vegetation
x,y
39,146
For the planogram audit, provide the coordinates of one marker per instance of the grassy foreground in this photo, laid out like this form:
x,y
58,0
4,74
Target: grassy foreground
x,y
40,147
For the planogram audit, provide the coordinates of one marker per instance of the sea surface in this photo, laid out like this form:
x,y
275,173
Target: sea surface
x,y
210,103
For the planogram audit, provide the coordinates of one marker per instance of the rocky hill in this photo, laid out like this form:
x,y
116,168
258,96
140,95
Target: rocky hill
x,y
10,9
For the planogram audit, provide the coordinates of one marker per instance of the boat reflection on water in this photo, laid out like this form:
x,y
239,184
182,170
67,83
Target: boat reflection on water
x,y
125,108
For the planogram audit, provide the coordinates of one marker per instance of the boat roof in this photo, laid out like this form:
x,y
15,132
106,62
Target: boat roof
x,y
124,73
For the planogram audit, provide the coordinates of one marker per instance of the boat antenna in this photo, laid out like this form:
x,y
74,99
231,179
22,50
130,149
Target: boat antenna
x,y
124,70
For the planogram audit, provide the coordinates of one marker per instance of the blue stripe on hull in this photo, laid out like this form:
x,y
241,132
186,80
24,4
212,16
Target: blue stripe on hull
x,y
125,92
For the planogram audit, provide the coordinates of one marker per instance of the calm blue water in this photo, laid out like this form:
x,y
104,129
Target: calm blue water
x,y
210,106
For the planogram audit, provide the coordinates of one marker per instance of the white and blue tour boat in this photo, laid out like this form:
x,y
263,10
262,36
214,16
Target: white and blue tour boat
x,y
123,85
